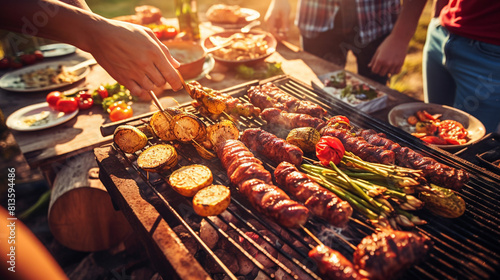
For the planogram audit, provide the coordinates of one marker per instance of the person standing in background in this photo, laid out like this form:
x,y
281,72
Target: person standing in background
x,y
376,31
461,58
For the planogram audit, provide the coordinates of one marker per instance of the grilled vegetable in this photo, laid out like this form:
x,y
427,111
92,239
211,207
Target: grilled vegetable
x,y
188,180
187,127
213,104
158,158
304,137
445,202
211,200
222,131
203,151
162,125
129,138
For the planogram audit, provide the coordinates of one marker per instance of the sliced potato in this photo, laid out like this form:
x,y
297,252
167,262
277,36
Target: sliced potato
x,y
204,152
219,132
129,138
161,123
187,127
188,180
158,158
211,200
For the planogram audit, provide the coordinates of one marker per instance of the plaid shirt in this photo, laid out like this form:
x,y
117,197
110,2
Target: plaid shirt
x,y
375,17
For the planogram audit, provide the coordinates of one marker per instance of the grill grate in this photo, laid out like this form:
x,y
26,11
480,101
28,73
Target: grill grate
x,y
464,248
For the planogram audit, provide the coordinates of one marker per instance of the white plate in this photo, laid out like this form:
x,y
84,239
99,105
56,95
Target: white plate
x,y
252,15
16,120
207,67
398,117
12,80
59,49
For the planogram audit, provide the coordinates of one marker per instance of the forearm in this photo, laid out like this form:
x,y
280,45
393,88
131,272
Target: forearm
x,y
407,22
49,19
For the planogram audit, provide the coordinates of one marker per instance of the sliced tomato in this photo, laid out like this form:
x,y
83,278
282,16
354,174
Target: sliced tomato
x,y
453,132
434,140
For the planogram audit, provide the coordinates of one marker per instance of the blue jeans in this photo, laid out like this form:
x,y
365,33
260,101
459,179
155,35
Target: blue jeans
x,y
462,73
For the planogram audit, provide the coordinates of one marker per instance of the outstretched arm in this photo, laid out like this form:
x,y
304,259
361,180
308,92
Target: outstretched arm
x,y
390,55
130,53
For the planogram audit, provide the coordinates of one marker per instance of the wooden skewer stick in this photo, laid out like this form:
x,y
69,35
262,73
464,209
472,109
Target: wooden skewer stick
x,y
316,239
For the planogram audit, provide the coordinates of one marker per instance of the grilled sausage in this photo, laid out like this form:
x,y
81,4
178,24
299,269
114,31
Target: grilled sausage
x,y
274,203
272,147
290,120
320,201
332,264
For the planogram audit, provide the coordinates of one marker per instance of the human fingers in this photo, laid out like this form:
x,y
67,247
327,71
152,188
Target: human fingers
x,y
168,69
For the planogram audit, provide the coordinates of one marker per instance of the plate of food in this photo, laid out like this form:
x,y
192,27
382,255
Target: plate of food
x,y
43,76
443,126
37,117
58,49
353,91
231,16
233,47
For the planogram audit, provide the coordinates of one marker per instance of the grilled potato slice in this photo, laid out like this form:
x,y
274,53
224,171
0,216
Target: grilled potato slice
x,y
219,132
188,180
162,125
304,137
158,158
187,127
211,200
129,138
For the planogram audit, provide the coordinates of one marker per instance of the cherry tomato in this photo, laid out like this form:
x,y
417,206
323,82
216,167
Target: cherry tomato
x,y
119,113
103,92
434,140
170,32
85,103
38,54
329,149
28,58
67,105
4,63
52,99
122,104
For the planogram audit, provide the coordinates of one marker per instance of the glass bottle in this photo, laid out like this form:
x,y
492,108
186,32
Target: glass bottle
x,y
187,15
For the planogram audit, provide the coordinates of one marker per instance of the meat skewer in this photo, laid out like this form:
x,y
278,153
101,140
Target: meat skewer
x,y
435,172
359,146
290,120
383,255
271,146
255,182
270,96
320,201
332,264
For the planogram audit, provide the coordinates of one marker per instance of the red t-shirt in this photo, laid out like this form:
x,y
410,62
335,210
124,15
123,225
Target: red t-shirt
x,y
474,19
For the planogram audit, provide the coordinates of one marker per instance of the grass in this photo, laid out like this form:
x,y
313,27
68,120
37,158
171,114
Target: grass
x,y
408,81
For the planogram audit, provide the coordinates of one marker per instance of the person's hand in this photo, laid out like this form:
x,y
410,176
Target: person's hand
x,y
134,57
389,57
277,18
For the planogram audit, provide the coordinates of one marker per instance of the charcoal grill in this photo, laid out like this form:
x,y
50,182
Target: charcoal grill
x,y
464,248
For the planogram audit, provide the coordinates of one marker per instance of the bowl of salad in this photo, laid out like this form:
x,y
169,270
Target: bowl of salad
x,y
440,125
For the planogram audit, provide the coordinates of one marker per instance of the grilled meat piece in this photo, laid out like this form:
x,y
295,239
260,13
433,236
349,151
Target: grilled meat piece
x,y
290,120
233,105
272,147
359,146
270,96
240,163
274,203
383,255
435,172
320,201
332,264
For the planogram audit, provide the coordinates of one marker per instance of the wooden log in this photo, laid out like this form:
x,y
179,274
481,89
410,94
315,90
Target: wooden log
x,y
81,214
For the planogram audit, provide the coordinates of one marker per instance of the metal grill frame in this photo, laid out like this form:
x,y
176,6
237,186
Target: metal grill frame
x,y
464,248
